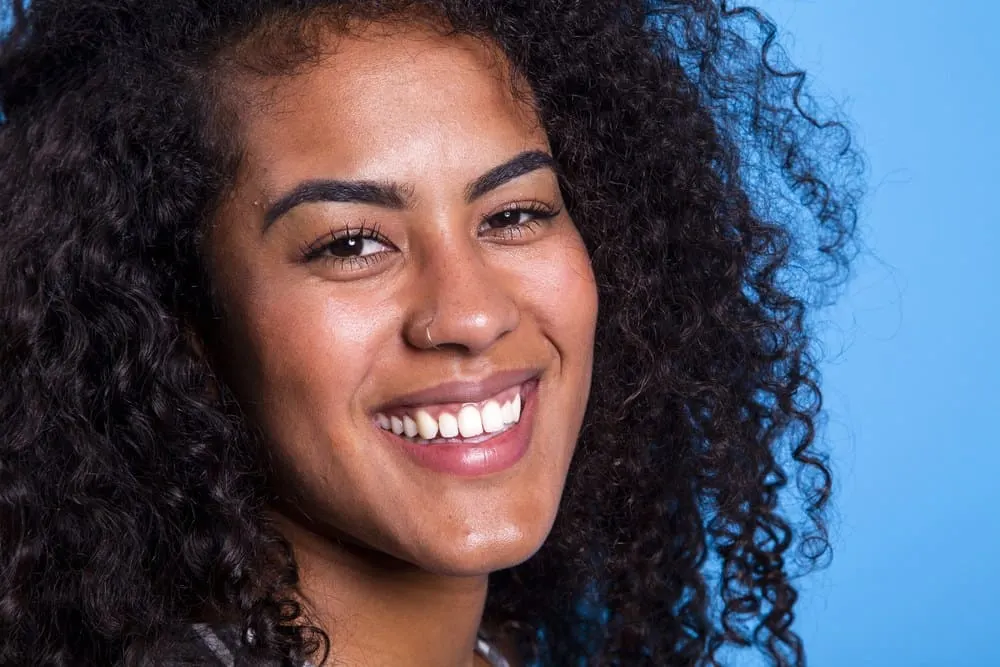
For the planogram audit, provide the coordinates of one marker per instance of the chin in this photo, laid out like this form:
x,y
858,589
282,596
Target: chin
x,y
480,553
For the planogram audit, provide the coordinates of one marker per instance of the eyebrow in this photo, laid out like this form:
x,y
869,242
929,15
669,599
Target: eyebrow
x,y
386,195
520,165
395,196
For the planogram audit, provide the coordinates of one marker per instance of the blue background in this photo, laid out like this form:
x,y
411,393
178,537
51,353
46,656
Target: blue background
x,y
910,375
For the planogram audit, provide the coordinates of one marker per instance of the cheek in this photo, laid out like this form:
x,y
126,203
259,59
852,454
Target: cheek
x,y
312,350
563,294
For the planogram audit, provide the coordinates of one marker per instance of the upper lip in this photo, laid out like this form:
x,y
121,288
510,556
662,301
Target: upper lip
x,y
464,391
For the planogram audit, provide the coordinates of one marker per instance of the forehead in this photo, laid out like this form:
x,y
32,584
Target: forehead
x,y
387,102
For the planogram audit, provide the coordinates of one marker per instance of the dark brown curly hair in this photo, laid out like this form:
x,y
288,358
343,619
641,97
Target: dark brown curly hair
x,y
717,210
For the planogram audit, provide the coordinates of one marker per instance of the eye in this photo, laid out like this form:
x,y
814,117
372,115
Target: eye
x,y
354,245
515,216
348,246
514,220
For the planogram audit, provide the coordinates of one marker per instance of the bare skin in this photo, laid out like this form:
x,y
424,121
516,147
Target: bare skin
x,y
325,332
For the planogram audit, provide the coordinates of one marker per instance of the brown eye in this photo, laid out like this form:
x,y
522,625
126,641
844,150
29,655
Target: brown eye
x,y
517,219
507,218
349,246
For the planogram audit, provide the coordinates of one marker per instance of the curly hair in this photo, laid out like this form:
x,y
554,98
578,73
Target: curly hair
x,y
712,200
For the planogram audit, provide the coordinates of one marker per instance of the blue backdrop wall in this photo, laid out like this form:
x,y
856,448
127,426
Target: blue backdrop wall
x,y
911,373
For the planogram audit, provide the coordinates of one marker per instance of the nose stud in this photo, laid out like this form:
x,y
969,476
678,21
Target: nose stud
x,y
427,332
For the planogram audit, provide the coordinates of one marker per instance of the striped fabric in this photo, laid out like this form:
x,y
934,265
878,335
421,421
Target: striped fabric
x,y
215,645
219,647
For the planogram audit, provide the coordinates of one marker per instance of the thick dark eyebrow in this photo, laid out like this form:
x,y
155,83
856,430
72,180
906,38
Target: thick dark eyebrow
x,y
387,195
520,165
395,196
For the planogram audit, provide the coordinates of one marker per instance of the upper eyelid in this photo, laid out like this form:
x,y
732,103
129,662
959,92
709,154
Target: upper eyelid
x,y
347,231
530,205
534,206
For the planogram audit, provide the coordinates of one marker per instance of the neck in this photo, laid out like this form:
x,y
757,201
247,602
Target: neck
x,y
378,610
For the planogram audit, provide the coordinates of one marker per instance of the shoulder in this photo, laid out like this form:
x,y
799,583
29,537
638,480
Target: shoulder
x,y
206,646
498,650
218,643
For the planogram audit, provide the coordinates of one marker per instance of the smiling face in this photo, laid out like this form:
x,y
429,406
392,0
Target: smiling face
x,y
396,256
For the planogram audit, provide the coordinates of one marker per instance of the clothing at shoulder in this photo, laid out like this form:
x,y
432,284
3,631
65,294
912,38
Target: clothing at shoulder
x,y
205,645
212,646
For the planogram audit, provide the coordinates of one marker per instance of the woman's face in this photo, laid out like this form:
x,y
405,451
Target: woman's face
x,y
396,255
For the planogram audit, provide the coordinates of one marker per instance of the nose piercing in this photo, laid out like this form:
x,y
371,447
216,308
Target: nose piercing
x,y
427,330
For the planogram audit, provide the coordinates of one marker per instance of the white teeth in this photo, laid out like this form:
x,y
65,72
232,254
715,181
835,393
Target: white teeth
x,y
427,426
448,424
470,422
492,417
507,412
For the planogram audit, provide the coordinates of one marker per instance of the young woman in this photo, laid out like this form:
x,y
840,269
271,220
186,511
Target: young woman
x,y
302,346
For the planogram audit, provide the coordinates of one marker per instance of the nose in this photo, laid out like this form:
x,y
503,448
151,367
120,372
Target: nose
x,y
465,303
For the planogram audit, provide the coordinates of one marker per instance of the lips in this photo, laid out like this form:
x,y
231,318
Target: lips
x,y
485,454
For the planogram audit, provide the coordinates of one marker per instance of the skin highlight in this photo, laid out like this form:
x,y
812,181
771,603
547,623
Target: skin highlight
x,y
394,559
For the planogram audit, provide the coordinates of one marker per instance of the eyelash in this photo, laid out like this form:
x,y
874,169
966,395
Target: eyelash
x,y
314,251
539,214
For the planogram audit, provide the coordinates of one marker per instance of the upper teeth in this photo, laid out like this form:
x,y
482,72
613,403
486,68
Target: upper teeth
x,y
471,420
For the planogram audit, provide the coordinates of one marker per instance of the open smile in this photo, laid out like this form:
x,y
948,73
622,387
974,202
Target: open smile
x,y
466,422
468,439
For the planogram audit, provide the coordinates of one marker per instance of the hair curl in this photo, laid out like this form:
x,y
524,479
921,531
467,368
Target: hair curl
x,y
131,493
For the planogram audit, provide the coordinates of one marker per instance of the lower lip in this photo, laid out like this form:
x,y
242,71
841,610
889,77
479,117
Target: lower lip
x,y
497,454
